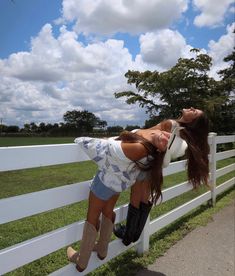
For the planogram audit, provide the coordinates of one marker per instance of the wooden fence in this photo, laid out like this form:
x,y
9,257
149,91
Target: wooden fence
x,y
18,207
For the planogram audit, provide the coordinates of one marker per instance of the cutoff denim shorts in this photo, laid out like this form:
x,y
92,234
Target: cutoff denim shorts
x,y
100,190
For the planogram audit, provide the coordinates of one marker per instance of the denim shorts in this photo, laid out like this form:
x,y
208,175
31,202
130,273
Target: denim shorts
x,y
100,190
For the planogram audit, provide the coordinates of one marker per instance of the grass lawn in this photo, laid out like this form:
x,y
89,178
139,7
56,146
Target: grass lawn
x,y
30,180
27,141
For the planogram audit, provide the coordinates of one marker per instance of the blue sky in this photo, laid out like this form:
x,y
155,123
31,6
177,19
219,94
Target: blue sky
x,y
22,19
72,54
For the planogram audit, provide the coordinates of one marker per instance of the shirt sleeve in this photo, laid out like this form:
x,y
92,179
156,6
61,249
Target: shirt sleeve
x,y
102,151
116,151
95,148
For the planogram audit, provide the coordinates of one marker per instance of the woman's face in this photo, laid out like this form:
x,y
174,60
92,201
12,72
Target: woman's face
x,y
190,114
160,139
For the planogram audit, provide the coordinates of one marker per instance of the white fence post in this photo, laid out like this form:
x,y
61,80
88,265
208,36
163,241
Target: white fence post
x,y
18,207
213,167
143,244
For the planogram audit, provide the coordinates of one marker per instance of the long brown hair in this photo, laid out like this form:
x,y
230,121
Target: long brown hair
x,y
196,136
154,166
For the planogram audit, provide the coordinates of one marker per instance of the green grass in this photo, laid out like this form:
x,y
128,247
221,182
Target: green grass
x,y
27,141
18,182
129,263
30,180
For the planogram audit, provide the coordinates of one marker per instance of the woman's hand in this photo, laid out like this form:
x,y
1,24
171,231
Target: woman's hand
x,y
160,139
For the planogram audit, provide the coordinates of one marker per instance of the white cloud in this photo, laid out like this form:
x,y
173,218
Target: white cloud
x,y
137,16
163,48
212,12
65,58
61,74
23,102
218,50
42,63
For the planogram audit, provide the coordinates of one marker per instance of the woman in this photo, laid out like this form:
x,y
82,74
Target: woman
x,y
194,131
140,156
119,163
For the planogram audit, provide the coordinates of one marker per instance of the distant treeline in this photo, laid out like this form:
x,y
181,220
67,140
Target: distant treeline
x,y
60,130
186,84
76,123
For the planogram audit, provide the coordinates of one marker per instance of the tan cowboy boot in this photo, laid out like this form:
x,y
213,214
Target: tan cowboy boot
x,y
106,230
81,259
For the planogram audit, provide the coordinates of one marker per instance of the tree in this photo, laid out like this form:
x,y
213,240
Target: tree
x,y
229,72
26,128
12,129
184,85
9,129
226,113
42,127
84,121
114,129
101,124
131,127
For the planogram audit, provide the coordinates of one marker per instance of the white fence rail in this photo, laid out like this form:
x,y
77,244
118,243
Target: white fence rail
x,y
18,207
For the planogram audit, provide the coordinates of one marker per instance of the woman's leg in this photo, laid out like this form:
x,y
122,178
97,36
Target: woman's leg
x,y
144,210
126,233
135,195
107,210
90,232
95,206
137,214
106,228
140,192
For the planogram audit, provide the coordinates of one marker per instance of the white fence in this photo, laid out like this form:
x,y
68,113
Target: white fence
x,y
14,208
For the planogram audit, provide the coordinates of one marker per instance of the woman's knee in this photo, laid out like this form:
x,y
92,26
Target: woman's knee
x,y
109,207
140,192
95,206
108,213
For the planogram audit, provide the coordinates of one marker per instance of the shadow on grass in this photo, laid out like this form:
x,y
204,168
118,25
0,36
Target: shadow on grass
x,y
147,272
129,263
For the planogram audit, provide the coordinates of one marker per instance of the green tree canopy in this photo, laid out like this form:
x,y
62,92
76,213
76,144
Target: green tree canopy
x,y
225,114
184,85
84,120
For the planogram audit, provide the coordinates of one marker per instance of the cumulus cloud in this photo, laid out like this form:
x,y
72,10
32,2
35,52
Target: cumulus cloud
x,y
163,48
104,17
60,74
64,58
218,50
41,63
22,102
212,11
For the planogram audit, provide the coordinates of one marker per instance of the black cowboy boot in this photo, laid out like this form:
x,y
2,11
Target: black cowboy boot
x,y
126,233
144,212
119,230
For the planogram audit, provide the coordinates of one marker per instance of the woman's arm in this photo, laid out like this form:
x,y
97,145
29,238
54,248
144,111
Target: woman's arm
x,y
165,125
134,151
